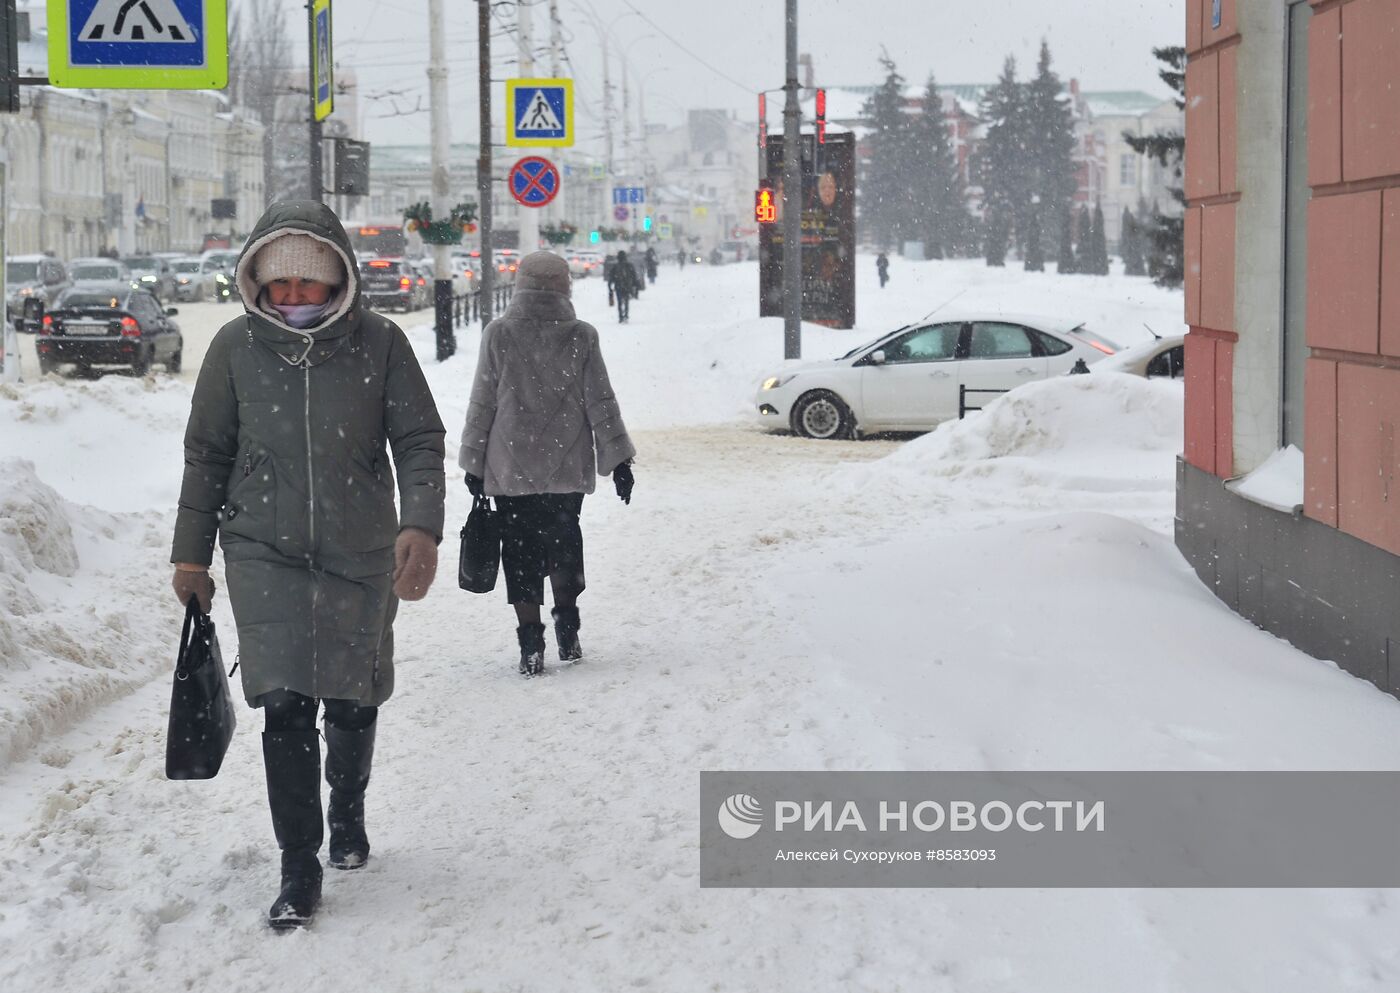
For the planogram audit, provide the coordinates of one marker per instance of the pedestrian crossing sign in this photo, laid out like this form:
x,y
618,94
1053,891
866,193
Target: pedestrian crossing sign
x,y
138,44
540,112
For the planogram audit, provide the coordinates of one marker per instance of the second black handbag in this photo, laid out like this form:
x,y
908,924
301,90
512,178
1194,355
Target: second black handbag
x,y
201,710
481,548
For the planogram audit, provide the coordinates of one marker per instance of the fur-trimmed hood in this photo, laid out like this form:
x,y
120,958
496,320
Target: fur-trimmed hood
x,y
317,343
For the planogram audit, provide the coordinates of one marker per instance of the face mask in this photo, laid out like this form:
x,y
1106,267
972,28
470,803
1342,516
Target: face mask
x,y
301,315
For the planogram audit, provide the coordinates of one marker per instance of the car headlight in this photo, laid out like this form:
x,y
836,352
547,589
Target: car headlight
x,y
148,279
26,291
773,382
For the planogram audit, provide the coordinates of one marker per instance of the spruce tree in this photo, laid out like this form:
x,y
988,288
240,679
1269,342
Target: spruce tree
x,y
1065,254
1049,137
1003,166
936,184
1164,235
1130,246
1083,238
1035,253
1098,246
884,192
998,234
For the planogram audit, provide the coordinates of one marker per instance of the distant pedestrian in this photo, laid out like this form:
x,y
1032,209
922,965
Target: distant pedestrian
x,y
651,263
540,376
680,259
882,266
624,284
609,264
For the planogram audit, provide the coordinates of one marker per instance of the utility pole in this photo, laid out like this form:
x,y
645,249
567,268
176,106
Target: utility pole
x,y
792,199
483,165
525,36
556,39
442,177
313,152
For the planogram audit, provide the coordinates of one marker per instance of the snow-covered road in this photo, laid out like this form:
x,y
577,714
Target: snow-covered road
x,y
995,595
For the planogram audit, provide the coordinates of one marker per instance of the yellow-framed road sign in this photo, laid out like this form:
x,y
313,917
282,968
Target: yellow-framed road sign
x,y
540,113
322,58
157,44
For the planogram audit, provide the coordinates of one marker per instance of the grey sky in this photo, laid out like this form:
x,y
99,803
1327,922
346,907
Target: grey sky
x,y
1106,43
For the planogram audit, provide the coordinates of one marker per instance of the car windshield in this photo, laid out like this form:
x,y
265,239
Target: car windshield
x,y
142,264
88,299
191,266
872,344
94,271
22,272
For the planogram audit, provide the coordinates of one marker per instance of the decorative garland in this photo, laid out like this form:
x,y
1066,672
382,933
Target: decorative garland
x,y
558,235
419,217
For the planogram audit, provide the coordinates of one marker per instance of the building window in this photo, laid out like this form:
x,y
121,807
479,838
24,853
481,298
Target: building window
x,y
1127,170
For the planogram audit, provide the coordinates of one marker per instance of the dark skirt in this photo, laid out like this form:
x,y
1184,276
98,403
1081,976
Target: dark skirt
x,y
541,537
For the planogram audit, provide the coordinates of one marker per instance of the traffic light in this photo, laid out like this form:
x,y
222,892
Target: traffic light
x,y
821,117
646,223
765,207
594,237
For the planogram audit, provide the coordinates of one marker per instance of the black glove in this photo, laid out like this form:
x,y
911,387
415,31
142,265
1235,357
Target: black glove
x,y
474,486
622,479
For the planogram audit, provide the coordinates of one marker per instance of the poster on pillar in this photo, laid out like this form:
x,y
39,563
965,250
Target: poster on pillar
x,y
156,44
828,232
323,60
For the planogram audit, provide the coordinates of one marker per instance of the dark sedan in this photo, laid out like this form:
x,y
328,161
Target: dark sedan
x,y
109,324
390,284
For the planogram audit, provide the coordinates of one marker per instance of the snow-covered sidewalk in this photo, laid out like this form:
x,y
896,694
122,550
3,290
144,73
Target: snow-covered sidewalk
x,y
1000,594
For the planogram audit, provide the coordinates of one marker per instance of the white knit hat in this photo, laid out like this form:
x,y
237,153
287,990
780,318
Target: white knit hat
x,y
300,256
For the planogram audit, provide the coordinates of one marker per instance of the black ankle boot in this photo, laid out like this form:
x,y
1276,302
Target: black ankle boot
x,y
293,763
531,648
349,755
566,625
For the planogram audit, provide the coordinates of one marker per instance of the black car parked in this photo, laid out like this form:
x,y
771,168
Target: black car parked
x,y
109,324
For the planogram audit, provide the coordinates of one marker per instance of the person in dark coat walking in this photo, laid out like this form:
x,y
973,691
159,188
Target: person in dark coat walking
x,y
542,421
285,463
651,263
882,266
624,284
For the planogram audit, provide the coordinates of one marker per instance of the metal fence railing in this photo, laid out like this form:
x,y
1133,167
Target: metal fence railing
x,y
466,307
963,391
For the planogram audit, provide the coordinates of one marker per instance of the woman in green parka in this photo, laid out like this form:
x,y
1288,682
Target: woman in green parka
x,y
285,463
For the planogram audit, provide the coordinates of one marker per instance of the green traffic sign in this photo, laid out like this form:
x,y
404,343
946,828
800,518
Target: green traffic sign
x,y
154,45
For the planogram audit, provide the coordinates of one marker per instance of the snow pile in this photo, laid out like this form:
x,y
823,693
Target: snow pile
x,y
1277,483
72,633
1070,434
113,442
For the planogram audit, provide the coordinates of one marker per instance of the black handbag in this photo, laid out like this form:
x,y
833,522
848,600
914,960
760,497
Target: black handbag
x,y
481,548
201,710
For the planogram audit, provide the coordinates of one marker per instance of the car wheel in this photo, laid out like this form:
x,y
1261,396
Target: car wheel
x,y
142,365
821,415
172,364
47,365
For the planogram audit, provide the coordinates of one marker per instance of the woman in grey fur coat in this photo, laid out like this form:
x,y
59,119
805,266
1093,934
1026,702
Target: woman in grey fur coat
x,y
543,420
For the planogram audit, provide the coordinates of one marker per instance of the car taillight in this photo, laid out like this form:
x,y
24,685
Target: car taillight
x,y
405,282
422,281
467,273
1100,346
512,268
130,329
47,327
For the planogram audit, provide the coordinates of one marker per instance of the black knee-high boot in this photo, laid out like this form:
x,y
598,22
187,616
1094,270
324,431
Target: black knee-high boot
x,y
566,625
531,648
349,755
293,763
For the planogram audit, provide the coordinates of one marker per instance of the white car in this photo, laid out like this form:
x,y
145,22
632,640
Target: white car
x,y
582,264
920,375
1163,357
